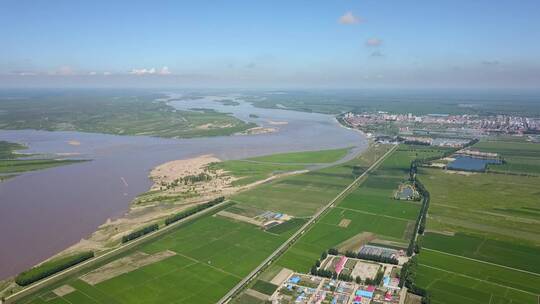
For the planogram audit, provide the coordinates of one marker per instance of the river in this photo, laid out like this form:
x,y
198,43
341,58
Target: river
x,y
44,212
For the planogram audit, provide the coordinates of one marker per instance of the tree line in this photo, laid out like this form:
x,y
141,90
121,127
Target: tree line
x,y
49,268
181,215
140,232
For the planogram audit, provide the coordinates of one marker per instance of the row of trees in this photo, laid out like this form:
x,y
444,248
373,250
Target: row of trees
x,y
140,232
181,215
408,277
49,268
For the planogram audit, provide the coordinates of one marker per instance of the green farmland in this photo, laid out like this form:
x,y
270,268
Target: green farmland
x,y
452,279
212,254
324,156
370,208
482,240
303,194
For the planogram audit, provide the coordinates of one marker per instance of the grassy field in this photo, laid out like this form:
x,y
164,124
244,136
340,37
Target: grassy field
x,y
503,207
254,169
519,155
482,243
324,156
113,112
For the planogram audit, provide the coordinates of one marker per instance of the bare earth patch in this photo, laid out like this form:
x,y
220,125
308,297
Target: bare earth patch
x,y
124,265
283,275
278,123
74,143
257,130
344,223
365,270
256,294
466,173
63,290
239,217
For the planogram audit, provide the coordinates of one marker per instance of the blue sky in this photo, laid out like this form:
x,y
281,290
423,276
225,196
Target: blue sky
x,y
319,44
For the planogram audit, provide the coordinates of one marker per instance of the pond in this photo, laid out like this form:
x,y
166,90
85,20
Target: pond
x,y
468,163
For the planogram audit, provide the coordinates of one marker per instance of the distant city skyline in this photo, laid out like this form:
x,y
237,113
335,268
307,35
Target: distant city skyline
x,y
271,44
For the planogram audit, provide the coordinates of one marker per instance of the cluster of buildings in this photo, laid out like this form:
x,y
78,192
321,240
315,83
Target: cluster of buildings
x,y
373,283
308,289
486,124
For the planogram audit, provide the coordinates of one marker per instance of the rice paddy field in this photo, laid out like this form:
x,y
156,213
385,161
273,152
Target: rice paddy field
x,y
482,240
211,256
303,194
369,208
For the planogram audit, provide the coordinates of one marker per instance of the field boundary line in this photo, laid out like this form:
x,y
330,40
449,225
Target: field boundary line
x,y
371,213
480,261
129,245
477,279
284,246
210,265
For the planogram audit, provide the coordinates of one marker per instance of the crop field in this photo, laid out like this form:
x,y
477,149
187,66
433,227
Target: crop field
x,y
482,240
323,156
453,279
503,207
212,255
254,169
519,156
370,208
249,172
301,195
481,248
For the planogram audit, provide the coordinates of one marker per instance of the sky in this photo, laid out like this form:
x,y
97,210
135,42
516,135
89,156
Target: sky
x,y
271,44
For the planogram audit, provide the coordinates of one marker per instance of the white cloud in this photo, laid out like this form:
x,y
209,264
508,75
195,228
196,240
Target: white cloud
x,y
374,42
349,18
106,73
63,71
152,71
164,71
23,73
92,73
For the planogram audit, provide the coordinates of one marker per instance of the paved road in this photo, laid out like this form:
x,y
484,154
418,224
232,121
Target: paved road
x,y
301,231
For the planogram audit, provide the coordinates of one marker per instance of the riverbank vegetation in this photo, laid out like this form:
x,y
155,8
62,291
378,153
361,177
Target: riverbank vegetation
x,y
51,267
13,162
114,112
